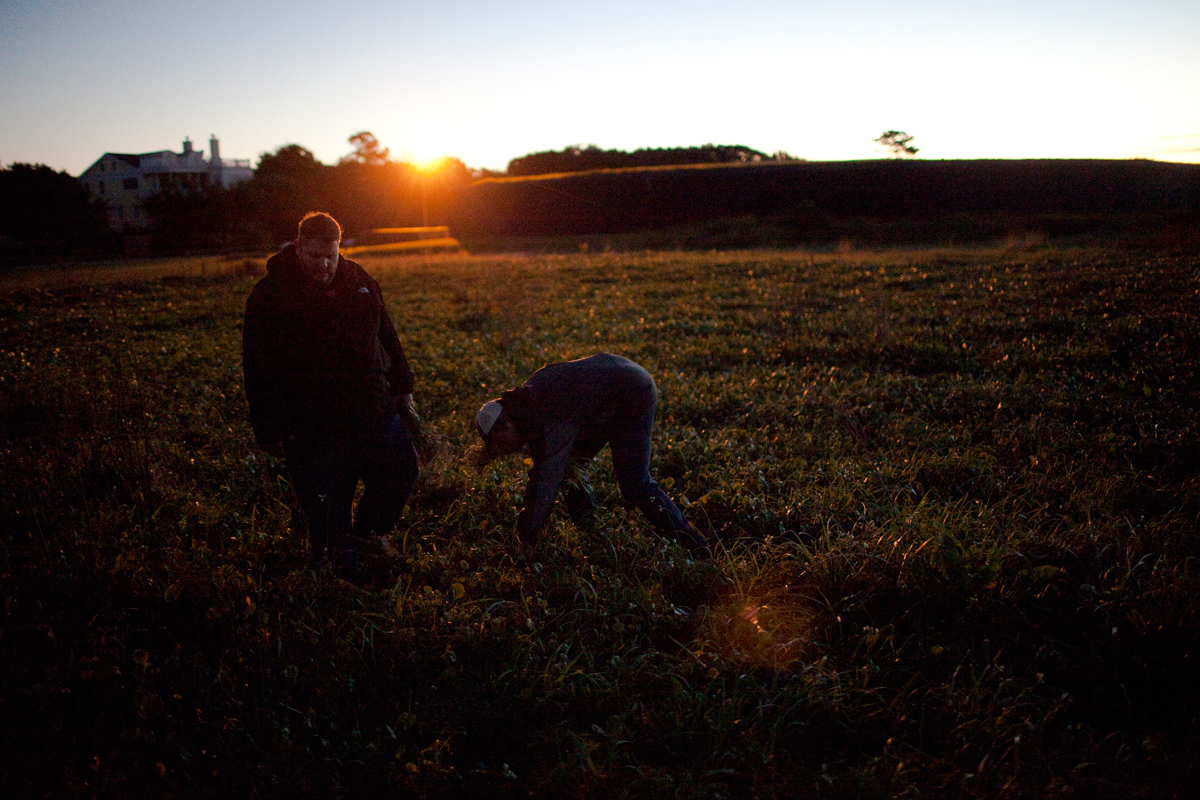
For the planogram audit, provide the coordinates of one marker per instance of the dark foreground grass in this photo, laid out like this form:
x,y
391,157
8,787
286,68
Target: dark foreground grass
x,y
956,496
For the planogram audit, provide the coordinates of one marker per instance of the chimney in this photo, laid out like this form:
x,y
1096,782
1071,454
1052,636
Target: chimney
x,y
214,149
187,146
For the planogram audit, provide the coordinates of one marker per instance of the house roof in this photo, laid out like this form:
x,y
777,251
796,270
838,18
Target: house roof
x,y
129,158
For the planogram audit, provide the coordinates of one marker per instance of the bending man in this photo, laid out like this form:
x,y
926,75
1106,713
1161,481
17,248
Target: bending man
x,y
565,413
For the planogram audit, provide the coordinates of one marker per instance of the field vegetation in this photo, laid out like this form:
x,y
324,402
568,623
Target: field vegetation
x,y
954,496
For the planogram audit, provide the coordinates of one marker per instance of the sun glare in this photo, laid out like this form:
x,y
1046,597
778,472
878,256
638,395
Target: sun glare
x,y
430,165
426,158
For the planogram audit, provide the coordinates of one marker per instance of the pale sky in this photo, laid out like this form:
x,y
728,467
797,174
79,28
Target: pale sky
x,y
487,82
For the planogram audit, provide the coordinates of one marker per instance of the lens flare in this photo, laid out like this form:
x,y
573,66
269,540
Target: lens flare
x,y
770,628
750,614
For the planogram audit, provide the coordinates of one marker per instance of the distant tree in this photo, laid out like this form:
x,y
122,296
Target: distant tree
x,y
287,183
291,160
366,150
572,158
727,153
898,142
44,210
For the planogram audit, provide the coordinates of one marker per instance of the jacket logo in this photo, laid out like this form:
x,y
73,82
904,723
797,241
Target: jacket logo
x,y
363,290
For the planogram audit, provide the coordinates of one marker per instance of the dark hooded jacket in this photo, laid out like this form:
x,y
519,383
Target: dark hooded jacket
x,y
320,361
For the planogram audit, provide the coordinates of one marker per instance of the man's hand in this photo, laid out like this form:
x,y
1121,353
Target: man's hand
x,y
407,411
408,414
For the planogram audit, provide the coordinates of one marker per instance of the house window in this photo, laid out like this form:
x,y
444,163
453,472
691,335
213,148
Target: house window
x,y
100,184
131,183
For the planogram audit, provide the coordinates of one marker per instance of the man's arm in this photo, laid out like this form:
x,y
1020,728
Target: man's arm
x,y
550,455
400,378
399,373
257,375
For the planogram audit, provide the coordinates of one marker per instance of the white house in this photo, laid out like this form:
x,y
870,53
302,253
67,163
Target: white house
x,y
123,180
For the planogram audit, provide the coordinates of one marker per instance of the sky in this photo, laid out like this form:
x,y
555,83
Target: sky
x,y
487,81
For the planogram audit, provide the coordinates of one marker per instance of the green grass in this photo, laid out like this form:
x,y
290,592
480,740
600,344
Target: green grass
x,y
955,495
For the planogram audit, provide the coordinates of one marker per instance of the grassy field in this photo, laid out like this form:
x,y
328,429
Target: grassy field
x,y
955,494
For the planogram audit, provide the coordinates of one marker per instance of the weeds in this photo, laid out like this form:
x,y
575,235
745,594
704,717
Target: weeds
x,y
954,495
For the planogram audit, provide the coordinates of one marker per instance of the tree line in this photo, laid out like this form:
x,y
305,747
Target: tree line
x,y
581,158
46,214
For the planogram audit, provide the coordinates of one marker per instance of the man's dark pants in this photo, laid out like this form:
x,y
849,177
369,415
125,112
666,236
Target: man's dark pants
x,y
628,436
325,475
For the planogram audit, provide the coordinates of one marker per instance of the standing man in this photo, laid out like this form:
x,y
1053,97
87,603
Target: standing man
x,y
565,413
325,375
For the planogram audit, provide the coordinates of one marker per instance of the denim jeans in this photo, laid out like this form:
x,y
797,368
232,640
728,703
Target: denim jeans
x,y
325,475
628,437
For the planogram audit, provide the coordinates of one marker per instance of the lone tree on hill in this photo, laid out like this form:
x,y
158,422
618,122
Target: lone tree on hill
x,y
899,142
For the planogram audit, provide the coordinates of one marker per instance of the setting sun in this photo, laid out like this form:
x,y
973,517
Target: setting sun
x,y
431,165
426,158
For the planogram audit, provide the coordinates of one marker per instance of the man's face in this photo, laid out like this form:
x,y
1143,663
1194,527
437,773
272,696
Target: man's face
x,y
318,259
505,438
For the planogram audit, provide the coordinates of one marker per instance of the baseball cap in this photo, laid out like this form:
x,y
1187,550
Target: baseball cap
x,y
487,416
